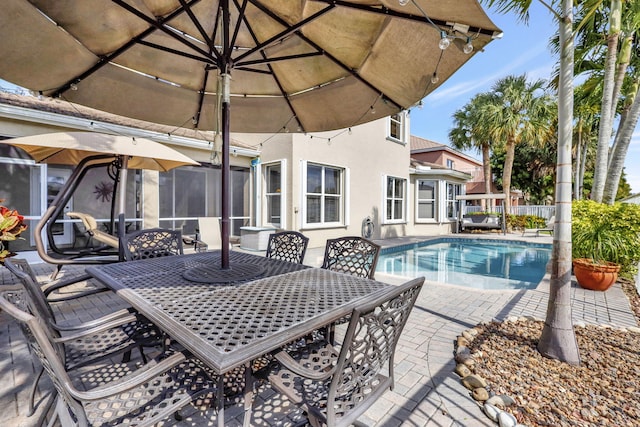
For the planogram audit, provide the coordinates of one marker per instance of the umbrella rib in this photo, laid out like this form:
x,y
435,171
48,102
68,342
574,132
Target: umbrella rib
x,y
105,59
241,12
174,51
390,12
289,29
201,30
324,52
161,26
201,99
275,77
276,59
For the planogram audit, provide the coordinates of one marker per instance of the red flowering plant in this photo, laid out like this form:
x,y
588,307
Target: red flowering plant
x,y
11,225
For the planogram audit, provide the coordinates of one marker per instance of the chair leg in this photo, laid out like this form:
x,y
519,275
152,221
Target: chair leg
x,y
55,272
32,394
46,409
248,395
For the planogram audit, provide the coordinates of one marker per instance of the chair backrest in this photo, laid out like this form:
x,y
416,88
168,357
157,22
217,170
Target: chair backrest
x,y
152,243
50,356
354,255
91,225
287,246
367,349
551,222
209,232
37,300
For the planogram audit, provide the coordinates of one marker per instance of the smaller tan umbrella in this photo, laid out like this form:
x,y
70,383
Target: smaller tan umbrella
x,y
69,148
75,148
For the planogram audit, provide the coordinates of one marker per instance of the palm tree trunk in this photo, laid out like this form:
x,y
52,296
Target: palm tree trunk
x,y
576,174
506,174
558,340
486,170
606,123
619,153
583,167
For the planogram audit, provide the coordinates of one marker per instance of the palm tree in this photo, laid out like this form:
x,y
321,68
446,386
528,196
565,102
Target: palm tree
x,y
469,132
631,109
558,339
586,113
609,100
517,112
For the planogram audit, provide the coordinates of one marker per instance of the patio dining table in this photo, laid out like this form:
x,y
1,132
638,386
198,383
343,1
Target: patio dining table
x,y
229,325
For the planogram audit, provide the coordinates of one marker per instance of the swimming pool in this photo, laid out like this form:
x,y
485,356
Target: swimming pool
x,y
474,263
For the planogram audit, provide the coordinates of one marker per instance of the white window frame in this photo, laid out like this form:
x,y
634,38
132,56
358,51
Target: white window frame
x,y
282,194
451,164
454,201
435,201
401,120
394,197
343,205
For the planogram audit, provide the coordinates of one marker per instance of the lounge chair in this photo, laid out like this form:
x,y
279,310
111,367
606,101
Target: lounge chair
x,y
91,225
548,229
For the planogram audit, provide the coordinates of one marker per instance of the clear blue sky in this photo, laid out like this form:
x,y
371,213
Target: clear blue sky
x,y
523,49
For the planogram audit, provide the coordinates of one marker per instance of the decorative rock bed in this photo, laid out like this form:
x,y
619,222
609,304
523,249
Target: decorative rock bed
x,y
494,406
594,404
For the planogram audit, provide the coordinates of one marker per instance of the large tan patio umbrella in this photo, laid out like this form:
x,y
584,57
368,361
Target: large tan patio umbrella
x,y
82,149
296,65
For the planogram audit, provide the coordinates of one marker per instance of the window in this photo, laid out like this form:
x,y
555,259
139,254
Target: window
x,y
273,193
396,127
451,164
187,193
453,205
395,196
324,202
426,199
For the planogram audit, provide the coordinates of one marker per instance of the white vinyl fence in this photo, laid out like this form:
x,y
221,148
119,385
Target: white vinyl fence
x,y
545,212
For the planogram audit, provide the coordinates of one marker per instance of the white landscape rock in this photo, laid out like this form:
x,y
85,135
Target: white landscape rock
x,y
505,419
491,412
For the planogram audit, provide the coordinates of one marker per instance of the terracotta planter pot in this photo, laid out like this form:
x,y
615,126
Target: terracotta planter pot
x,y
596,277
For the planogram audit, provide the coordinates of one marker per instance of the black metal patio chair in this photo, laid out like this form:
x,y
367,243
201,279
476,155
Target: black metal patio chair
x,y
151,243
353,255
287,246
84,343
124,394
335,385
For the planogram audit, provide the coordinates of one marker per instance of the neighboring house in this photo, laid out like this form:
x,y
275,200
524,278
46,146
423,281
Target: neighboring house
x,y
439,154
443,155
325,185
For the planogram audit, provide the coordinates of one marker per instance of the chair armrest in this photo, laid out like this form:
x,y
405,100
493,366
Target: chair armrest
x,y
294,366
142,376
49,288
128,314
79,334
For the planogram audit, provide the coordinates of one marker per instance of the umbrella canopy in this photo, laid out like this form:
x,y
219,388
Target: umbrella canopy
x,y
305,65
69,148
302,65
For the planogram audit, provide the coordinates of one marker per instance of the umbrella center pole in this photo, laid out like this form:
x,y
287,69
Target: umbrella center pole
x,y
226,171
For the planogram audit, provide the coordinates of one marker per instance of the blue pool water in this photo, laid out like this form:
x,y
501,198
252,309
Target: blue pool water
x,y
474,263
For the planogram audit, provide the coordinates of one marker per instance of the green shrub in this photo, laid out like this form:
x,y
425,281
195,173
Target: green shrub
x,y
520,222
608,232
483,213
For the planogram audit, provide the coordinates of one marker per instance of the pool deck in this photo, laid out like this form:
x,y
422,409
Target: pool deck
x,y
427,392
